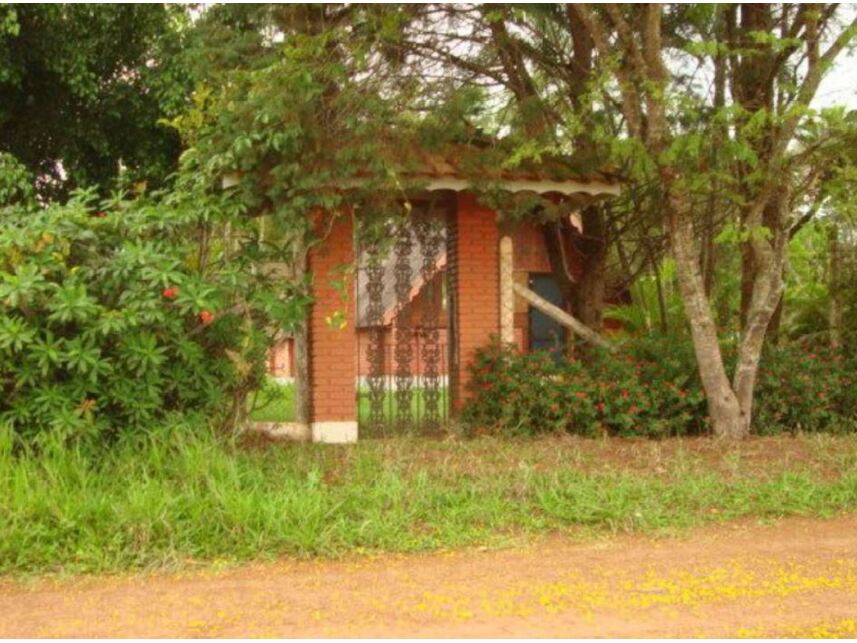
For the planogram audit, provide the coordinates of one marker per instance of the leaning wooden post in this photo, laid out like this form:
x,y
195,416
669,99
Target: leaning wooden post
x,y
507,291
554,312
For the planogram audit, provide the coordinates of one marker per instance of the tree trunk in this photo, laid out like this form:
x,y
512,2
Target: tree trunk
x,y
776,322
555,234
834,286
769,259
588,299
301,347
748,274
753,88
588,303
662,304
723,407
720,133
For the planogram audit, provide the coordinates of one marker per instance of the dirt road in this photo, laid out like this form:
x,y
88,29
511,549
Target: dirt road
x,y
797,577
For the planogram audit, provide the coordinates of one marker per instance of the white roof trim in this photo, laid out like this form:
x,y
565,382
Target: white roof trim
x,y
594,188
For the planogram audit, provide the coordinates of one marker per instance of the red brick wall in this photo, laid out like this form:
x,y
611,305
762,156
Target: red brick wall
x,y
478,276
333,350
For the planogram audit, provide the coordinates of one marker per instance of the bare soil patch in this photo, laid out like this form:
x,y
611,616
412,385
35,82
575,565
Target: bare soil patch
x,y
794,577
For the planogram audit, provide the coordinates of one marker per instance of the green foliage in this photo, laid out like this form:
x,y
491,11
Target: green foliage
x,y
639,394
303,121
806,388
81,90
807,294
113,316
16,183
644,314
175,496
810,285
653,390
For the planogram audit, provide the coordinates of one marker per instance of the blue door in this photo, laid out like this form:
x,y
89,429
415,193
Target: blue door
x,y
545,333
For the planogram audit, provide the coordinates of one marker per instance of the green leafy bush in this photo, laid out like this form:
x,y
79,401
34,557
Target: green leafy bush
x,y
113,316
652,389
16,183
622,395
806,388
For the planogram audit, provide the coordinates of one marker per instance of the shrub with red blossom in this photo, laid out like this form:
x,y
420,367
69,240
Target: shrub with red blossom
x,y
653,389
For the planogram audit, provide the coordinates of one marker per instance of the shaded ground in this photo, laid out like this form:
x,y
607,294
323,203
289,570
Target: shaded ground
x,y
794,578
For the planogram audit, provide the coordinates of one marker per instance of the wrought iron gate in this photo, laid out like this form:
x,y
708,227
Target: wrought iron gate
x,y
403,313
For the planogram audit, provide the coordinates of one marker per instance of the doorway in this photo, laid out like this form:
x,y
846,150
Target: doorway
x,y
545,333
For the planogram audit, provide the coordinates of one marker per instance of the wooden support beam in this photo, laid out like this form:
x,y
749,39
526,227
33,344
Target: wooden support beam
x,y
554,312
507,292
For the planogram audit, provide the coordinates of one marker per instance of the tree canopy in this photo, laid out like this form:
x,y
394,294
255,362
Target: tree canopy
x,y
82,89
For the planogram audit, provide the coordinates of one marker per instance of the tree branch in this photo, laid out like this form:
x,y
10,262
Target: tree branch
x,y
630,93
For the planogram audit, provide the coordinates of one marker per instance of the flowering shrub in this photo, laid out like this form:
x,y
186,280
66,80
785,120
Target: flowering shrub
x,y
622,395
113,317
805,388
652,389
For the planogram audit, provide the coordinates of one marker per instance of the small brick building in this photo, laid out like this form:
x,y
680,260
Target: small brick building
x,y
392,335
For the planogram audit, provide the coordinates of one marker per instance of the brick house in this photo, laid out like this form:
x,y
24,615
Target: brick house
x,y
409,318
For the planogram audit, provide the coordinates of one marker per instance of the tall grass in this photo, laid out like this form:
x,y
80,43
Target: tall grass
x,y
179,495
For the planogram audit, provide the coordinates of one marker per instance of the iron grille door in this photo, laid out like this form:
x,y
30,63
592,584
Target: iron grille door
x,y
403,326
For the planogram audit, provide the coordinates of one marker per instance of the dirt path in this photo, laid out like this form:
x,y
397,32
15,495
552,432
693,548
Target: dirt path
x,y
797,577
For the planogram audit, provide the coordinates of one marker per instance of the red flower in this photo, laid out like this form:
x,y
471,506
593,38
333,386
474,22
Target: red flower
x,y
206,316
625,394
170,293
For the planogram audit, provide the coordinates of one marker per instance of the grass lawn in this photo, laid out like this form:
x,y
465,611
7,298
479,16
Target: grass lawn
x,y
274,403
178,496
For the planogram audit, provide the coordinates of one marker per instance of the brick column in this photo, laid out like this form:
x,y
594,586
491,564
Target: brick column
x,y
333,336
478,282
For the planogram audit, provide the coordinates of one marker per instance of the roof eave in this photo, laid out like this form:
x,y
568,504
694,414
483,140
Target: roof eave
x,y
567,187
